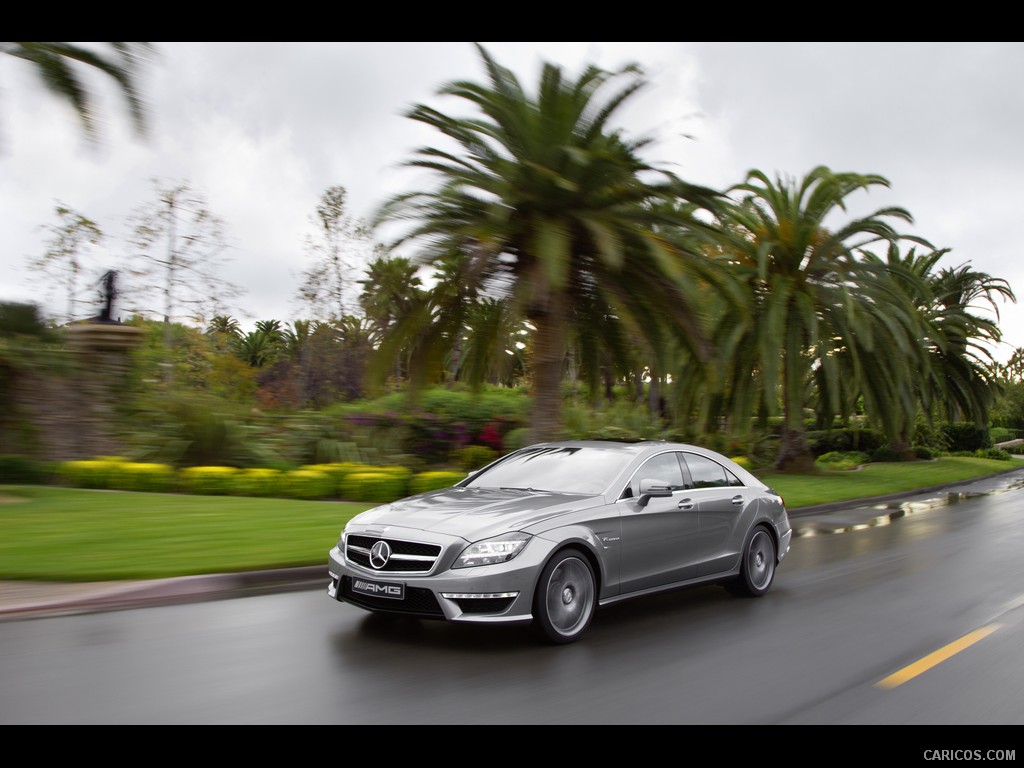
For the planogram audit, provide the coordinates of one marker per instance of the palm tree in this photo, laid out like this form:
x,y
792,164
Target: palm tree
x,y
960,309
225,325
58,66
390,285
273,328
256,348
812,301
544,200
1013,369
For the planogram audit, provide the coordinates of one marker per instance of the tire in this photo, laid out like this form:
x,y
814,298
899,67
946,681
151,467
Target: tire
x,y
565,598
757,569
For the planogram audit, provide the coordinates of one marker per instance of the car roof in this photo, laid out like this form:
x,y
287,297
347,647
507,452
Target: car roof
x,y
626,446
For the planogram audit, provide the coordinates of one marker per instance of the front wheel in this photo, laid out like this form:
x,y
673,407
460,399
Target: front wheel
x,y
757,571
566,595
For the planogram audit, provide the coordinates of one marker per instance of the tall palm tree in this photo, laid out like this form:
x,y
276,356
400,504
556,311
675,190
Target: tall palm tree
x,y
959,307
59,65
391,285
546,200
391,289
811,298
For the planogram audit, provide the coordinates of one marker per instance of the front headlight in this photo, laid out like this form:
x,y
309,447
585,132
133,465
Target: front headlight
x,y
499,549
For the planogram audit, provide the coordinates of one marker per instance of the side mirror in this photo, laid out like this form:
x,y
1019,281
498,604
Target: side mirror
x,y
652,489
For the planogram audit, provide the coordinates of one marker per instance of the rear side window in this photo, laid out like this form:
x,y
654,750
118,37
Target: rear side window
x,y
706,473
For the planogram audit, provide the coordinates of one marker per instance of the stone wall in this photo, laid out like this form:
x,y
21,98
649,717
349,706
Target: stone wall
x,y
68,410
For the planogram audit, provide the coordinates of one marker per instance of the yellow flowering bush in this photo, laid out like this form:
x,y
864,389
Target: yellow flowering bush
x,y
307,484
380,487
432,481
209,481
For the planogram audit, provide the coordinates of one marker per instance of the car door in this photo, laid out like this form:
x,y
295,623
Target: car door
x,y
725,508
659,538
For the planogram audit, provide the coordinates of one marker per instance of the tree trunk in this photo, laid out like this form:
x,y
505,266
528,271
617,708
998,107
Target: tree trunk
x,y
654,393
609,381
638,385
795,453
548,367
900,444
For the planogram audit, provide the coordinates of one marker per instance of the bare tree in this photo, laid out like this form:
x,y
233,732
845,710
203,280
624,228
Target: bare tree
x,y
67,254
179,247
339,249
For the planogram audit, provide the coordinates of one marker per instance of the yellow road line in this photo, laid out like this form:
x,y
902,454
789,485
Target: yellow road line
x,y
932,659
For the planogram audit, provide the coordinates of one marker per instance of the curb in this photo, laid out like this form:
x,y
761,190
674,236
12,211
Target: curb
x,y
182,589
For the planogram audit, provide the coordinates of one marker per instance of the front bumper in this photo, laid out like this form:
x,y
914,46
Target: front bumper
x,y
491,594
784,542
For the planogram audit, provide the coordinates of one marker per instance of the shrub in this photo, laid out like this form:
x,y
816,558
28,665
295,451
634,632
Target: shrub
x,y
490,436
433,436
90,473
433,481
923,452
393,470
618,421
22,470
259,482
306,483
517,438
474,457
209,481
195,430
994,453
885,454
842,461
845,441
150,478
380,487
743,461
965,436
1001,434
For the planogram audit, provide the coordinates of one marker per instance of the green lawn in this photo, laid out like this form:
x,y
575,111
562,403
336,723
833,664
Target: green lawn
x,y
879,479
62,534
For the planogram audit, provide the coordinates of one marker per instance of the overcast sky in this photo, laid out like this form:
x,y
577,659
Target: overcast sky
x,y
262,129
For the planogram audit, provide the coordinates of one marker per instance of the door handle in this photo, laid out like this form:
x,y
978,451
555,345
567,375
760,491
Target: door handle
x,y
686,504
737,500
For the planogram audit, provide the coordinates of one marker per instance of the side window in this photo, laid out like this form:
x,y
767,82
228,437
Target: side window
x,y
664,467
709,474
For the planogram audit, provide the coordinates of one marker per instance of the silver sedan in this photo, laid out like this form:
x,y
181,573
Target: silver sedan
x,y
549,533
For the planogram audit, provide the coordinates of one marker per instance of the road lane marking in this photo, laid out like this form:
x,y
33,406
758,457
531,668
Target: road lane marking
x,y
937,657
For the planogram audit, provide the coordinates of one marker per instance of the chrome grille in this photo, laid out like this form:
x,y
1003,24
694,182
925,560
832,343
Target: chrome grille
x,y
406,556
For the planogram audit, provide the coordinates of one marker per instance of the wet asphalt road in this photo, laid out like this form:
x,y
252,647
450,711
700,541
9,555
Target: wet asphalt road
x,y
847,610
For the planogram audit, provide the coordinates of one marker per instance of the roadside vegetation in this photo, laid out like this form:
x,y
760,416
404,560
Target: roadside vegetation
x,y
61,534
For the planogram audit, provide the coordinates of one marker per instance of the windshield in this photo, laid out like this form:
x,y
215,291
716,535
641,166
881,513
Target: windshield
x,y
558,469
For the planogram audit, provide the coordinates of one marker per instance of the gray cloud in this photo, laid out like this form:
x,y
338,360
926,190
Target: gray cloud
x,y
263,128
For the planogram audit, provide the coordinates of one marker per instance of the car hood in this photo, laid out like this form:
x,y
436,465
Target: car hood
x,y
475,513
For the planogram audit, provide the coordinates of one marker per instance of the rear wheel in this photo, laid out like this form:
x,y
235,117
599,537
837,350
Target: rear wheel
x,y
757,570
566,595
